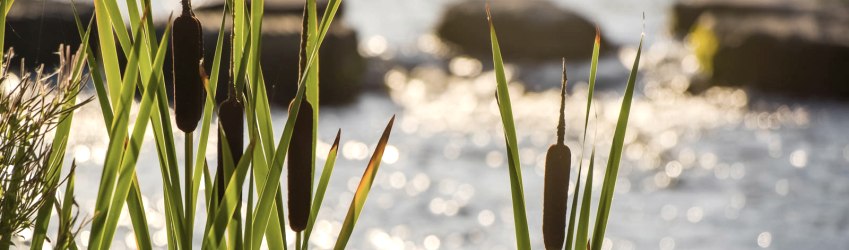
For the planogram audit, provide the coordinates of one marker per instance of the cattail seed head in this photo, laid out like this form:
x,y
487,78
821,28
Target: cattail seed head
x,y
300,168
558,165
187,58
231,115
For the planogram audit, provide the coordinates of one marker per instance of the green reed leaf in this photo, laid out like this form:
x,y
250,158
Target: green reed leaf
x,y
613,161
326,172
505,108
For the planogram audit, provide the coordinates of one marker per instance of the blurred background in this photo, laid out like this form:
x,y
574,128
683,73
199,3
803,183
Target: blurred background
x,y
737,139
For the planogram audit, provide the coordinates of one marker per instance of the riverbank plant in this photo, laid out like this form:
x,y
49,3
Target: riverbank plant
x,y
256,168
555,197
31,107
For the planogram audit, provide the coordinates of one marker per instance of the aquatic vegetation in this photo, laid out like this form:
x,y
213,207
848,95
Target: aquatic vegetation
x,y
258,219
259,165
31,163
551,227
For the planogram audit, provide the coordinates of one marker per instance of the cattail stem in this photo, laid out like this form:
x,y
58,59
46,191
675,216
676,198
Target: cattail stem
x,y
298,237
561,125
188,185
188,177
187,7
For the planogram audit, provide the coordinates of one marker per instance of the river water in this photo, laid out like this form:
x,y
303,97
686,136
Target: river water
x,y
725,169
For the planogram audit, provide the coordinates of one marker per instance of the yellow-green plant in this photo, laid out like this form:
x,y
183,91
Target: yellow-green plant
x,y
261,166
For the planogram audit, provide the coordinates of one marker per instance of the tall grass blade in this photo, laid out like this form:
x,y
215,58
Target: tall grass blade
x,y
60,139
503,96
612,169
326,172
104,225
267,196
108,53
162,131
66,220
584,221
5,6
223,213
94,68
590,92
363,189
208,110
117,139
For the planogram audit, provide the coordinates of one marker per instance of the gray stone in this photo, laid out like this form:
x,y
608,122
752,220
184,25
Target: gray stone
x,y
794,48
529,30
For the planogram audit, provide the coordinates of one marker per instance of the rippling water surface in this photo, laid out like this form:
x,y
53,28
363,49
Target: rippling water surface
x,y
724,169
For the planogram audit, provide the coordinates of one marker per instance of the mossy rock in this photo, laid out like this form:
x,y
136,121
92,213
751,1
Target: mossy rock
x,y
795,51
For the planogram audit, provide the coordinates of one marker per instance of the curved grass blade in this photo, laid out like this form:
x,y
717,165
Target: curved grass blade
x,y
503,96
612,169
326,172
363,189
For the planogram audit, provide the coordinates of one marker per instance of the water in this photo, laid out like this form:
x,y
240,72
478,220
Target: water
x,y
725,169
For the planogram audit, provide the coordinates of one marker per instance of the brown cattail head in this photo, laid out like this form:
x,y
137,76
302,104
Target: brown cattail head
x,y
300,167
231,115
558,161
187,59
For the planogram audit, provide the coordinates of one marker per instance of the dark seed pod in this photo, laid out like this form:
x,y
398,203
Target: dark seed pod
x,y
558,163
300,157
300,168
187,56
231,115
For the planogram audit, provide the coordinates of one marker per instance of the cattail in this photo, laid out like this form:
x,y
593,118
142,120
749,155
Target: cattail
x,y
231,115
187,56
300,157
558,163
300,168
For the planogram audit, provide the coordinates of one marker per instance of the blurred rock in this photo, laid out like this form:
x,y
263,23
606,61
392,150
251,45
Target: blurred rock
x,y
36,28
795,48
530,30
279,7
341,66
